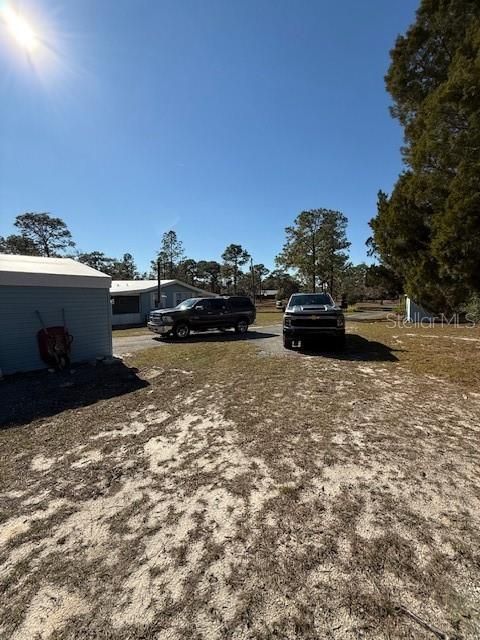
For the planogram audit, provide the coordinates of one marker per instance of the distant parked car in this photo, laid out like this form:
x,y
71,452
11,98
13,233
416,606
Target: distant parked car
x,y
310,316
202,314
280,304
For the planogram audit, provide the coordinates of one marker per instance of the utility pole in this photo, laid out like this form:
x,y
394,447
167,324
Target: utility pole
x,y
159,286
253,278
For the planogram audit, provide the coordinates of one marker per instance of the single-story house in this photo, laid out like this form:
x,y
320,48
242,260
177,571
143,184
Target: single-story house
x,y
55,288
132,300
268,294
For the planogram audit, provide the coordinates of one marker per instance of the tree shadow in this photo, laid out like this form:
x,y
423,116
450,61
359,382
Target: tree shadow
x,y
217,336
356,348
29,396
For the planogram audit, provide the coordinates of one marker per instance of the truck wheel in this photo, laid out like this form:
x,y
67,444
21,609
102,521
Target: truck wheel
x,y
241,327
287,343
340,342
181,331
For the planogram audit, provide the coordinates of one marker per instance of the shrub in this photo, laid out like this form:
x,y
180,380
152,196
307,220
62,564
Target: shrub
x,y
472,308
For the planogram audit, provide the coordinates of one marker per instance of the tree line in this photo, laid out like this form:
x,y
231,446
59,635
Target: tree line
x,y
314,257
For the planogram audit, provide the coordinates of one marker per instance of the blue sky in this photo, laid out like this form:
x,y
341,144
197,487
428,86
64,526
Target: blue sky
x,y
221,119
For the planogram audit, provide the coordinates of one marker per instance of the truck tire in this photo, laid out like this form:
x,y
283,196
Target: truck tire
x,y
181,331
287,342
340,342
241,327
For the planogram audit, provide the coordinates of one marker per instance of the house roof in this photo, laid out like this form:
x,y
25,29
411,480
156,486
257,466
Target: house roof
x,y
269,292
35,271
135,287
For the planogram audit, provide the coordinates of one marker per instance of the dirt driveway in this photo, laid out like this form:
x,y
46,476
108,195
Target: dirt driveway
x,y
222,490
123,346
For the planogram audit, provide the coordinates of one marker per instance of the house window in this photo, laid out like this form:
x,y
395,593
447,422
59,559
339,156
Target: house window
x,y
125,304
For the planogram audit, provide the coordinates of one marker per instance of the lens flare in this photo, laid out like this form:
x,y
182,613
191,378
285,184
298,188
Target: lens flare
x,y
20,29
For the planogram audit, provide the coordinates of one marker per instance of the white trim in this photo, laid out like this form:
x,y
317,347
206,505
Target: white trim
x,y
135,287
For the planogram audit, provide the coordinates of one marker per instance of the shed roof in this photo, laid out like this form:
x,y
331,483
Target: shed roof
x,y
35,271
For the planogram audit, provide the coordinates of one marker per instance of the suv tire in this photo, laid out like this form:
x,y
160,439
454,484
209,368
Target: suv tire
x,y
241,327
287,343
181,331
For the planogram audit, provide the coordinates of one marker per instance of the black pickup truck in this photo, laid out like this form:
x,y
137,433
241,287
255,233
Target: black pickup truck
x,y
310,316
202,314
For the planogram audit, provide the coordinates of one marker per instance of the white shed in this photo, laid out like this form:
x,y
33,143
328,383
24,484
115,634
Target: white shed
x,y
415,313
54,287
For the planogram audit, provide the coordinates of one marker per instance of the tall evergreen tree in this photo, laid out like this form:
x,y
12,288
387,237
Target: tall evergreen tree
x,y
40,234
428,230
260,272
187,271
97,260
316,247
208,271
233,258
170,254
19,245
124,269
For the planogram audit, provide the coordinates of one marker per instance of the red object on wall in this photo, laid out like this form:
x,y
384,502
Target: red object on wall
x,y
54,345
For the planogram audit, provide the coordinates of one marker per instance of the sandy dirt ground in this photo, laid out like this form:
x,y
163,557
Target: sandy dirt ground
x,y
245,492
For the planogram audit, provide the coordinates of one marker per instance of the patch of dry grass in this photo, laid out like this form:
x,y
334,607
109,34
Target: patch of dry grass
x,y
245,495
268,317
447,353
119,332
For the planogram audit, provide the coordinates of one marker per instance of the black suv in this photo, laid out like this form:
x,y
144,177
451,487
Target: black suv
x,y
311,316
201,314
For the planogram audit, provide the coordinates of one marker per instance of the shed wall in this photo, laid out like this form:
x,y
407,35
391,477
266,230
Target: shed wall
x,y
416,313
88,318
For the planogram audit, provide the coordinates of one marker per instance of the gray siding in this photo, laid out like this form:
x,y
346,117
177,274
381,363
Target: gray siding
x,y
171,289
88,317
146,304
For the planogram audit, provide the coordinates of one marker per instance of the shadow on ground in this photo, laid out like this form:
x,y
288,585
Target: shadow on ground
x,y
217,336
356,348
27,397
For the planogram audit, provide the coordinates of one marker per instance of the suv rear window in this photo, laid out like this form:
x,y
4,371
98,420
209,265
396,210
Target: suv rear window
x,y
240,302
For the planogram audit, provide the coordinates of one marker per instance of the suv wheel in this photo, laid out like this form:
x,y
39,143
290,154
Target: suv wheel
x,y
287,343
181,331
241,326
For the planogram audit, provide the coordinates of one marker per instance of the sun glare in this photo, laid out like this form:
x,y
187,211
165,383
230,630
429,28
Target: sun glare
x,y
20,29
